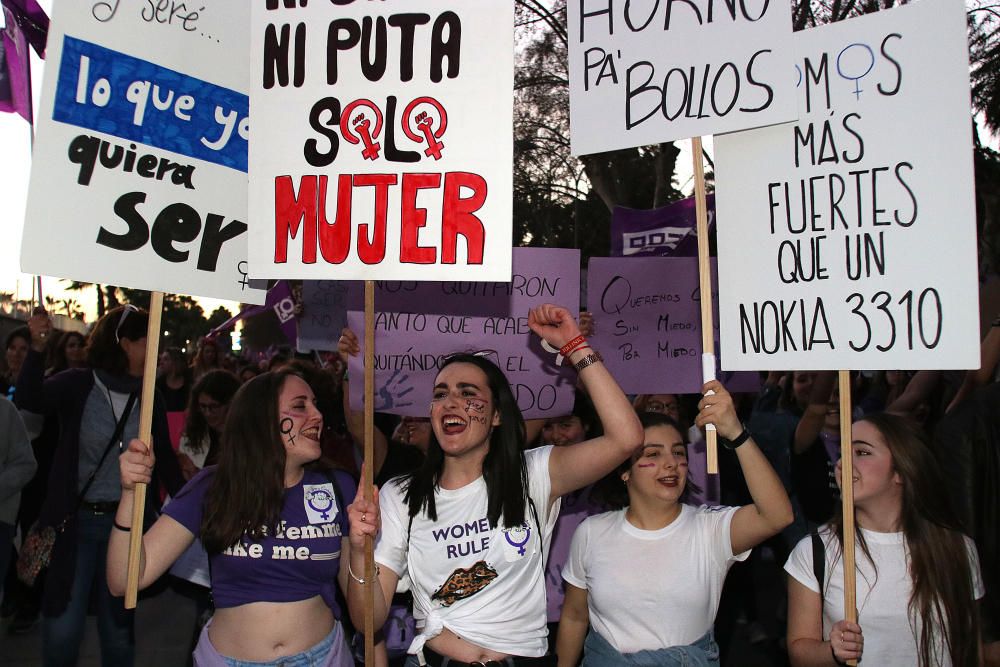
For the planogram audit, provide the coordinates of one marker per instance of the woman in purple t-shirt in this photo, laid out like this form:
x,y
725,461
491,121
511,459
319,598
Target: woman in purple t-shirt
x,y
271,524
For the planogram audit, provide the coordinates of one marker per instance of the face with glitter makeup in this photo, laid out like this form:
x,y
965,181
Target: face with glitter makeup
x,y
300,421
659,470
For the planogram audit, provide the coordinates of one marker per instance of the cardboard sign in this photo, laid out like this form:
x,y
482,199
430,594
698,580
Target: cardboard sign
x,y
851,240
324,314
647,324
139,171
647,72
417,324
382,140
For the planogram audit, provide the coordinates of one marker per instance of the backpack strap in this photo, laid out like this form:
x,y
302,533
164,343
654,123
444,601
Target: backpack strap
x,y
819,562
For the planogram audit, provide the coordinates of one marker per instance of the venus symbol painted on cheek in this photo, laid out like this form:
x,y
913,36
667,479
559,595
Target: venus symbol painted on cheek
x,y
286,426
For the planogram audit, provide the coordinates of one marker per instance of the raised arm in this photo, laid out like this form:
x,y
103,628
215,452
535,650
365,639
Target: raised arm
x,y
571,468
161,545
771,509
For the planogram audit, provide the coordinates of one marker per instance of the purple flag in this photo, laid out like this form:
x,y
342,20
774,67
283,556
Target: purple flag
x,y
26,24
668,231
279,301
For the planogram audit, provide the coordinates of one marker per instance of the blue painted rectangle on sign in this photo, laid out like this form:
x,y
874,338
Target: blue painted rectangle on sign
x,y
114,93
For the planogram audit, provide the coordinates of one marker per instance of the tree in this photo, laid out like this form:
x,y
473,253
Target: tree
x,y
107,297
183,318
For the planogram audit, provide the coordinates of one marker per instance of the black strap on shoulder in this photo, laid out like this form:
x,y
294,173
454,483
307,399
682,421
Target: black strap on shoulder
x,y
819,562
116,436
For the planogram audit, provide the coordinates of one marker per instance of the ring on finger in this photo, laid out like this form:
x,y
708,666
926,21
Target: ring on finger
x,y
364,517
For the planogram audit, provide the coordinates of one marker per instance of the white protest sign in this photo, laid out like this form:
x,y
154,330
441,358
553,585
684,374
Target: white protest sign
x,y
417,324
851,241
324,314
382,140
139,170
647,72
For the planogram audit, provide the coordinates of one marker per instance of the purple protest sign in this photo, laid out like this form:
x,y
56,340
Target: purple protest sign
x,y
647,324
324,314
15,79
417,324
668,231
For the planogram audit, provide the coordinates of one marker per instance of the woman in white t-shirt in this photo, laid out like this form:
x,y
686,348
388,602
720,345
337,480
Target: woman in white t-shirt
x,y
917,574
470,529
647,579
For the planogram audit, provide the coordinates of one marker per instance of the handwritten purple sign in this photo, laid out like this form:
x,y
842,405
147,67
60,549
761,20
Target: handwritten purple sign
x,y
647,322
417,324
324,314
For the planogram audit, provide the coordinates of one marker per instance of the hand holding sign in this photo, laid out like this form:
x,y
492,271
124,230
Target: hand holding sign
x,y
717,408
39,325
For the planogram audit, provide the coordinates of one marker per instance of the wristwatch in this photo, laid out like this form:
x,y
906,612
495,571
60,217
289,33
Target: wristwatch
x,y
737,441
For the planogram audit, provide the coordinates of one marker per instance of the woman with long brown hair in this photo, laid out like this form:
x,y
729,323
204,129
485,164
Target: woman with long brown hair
x,y
917,573
271,523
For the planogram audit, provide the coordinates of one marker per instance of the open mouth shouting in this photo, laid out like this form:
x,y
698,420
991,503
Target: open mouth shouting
x,y
669,481
453,424
311,432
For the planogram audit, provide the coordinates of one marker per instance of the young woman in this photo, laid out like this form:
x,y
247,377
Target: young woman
x,y
70,352
206,417
206,358
16,347
174,379
470,529
917,574
648,578
88,405
271,524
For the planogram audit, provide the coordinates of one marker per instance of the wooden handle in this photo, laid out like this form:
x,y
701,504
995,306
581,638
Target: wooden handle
x,y
145,434
369,403
705,287
847,500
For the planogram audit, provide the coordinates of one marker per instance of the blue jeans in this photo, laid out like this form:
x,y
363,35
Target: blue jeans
x,y
62,635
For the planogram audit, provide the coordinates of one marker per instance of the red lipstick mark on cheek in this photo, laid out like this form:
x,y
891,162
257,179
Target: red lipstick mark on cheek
x,y
644,465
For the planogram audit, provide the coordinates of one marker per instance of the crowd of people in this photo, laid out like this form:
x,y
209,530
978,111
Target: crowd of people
x,y
595,537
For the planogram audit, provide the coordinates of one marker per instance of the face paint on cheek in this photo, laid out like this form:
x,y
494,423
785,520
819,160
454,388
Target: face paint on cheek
x,y
644,465
476,409
286,426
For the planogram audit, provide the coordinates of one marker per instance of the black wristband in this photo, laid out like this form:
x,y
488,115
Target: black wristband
x,y
737,441
124,529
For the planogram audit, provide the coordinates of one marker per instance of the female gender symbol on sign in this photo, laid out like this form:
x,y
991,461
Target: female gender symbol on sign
x,y
424,124
856,62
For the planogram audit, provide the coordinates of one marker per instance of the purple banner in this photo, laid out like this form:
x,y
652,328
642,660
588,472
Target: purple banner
x,y
417,324
279,301
15,69
668,231
647,324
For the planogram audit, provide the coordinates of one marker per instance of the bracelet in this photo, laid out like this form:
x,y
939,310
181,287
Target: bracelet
x,y
124,529
572,345
737,441
591,358
358,579
583,346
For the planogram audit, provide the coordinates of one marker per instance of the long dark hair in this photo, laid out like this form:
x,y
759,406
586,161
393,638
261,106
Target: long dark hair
x,y
221,386
252,450
504,470
942,603
58,356
104,350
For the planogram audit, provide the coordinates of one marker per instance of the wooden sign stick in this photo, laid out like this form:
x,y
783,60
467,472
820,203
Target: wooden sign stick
x,y
369,458
705,288
847,499
145,434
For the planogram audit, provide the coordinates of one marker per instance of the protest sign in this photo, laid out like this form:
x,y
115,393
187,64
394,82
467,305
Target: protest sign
x,y
324,314
382,140
832,254
419,323
647,324
668,231
649,72
139,170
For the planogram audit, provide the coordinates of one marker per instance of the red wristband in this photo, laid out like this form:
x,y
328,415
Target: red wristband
x,y
572,345
583,346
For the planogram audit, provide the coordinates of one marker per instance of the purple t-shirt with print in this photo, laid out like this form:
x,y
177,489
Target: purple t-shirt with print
x,y
301,560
